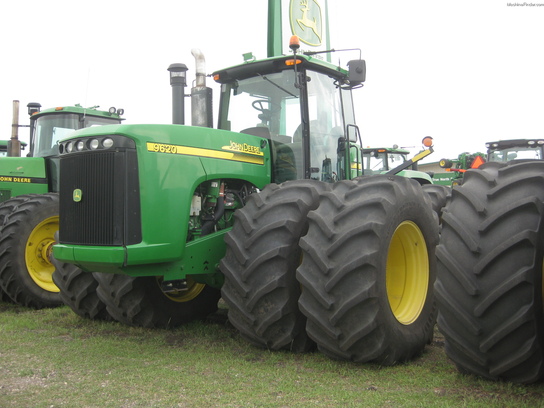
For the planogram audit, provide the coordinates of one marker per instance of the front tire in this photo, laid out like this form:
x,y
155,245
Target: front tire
x,y
78,291
490,267
260,264
141,302
368,270
26,240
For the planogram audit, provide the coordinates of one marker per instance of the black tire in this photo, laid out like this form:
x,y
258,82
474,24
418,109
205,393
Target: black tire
x,y
439,196
6,208
260,264
367,240
490,266
78,291
141,302
4,297
26,242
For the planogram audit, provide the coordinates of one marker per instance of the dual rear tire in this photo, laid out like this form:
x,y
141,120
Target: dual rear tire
x,y
359,259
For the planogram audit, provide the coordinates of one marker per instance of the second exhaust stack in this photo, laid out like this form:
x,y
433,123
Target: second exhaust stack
x,y
201,96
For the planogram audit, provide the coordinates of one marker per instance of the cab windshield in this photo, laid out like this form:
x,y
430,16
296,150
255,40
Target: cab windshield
x,y
516,153
270,106
376,161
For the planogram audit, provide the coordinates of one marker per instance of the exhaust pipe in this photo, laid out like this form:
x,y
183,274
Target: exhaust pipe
x,y
178,83
201,96
14,144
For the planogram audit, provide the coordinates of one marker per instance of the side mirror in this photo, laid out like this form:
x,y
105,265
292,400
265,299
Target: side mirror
x,y
357,71
353,133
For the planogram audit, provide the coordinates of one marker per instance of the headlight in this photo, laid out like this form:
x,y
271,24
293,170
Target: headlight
x,y
107,143
80,145
70,147
93,144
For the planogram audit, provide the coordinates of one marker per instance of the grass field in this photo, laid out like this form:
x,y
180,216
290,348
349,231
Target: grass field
x,y
54,358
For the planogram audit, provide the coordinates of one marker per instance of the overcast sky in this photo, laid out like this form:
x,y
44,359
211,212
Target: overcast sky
x,y
464,71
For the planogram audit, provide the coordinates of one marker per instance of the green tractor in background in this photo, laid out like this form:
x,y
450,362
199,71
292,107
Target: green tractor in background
x,y
382,159
394,160
29,213
515,149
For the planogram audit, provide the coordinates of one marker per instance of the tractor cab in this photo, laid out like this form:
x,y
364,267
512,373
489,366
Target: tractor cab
x,y
378,160
516,149
303,106
49,126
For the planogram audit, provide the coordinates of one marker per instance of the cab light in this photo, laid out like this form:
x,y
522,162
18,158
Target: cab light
x,y
216,77
294,43
59,108
291,62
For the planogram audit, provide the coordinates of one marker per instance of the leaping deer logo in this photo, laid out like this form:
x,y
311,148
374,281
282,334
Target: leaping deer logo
x,y
308,18
307,21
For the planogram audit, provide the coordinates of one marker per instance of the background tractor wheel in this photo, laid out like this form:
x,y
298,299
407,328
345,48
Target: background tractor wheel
x,y
260,264
439,196
26,242
78,291
368,270
7,207
490,266
141,301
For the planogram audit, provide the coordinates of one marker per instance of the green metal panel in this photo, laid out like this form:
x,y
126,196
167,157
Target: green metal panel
x,y
274,28
22,175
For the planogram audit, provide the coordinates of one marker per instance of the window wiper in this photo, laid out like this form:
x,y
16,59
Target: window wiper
x,y
277,86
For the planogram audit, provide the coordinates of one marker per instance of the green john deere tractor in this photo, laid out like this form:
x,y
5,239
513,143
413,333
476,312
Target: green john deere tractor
x,y
29,200
490,280
380,160
394,160
266,211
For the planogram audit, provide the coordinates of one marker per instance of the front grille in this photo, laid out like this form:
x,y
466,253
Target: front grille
x,y
108,212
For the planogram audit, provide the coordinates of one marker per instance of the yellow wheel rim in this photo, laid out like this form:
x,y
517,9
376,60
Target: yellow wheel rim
x,y
407,273
37,252
193,290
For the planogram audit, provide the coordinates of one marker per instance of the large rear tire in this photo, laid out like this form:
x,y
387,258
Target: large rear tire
x,y
368,270
490,266
260,264
78,291
141,301
26,240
